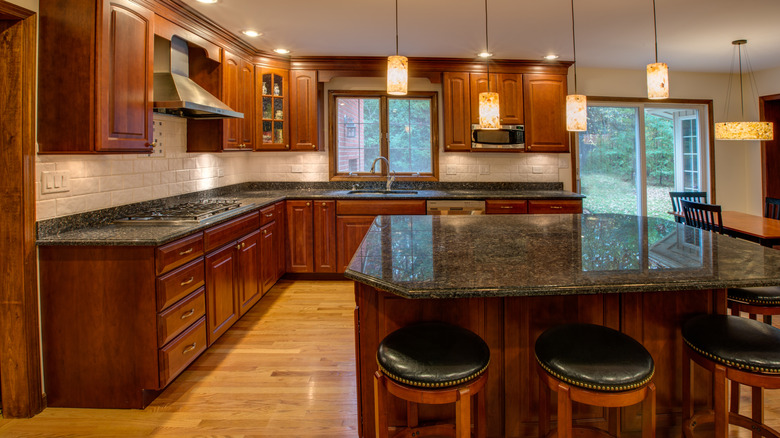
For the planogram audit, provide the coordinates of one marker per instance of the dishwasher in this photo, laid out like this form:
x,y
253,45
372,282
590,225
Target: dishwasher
x,y
455,207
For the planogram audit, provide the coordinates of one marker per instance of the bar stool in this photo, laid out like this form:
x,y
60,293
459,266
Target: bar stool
x,y
595,365
739,349
432,363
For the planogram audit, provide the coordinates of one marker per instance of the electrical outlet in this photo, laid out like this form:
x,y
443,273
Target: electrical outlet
x,y
55,182
220,172
484,169
537,169
296,168
451,170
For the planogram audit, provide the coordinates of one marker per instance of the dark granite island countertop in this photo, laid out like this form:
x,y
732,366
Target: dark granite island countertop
x,y
530,255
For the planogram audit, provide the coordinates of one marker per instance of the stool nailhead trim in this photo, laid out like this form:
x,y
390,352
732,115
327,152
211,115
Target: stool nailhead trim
x,y
737,297
596,387
431,385
733,364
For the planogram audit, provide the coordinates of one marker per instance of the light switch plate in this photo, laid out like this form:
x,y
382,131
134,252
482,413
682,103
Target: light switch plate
x,y
296,168
451,170
537,169
55,182
484,169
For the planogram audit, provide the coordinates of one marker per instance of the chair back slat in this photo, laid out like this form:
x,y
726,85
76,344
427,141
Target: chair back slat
x,y
772,208
687,196
700,215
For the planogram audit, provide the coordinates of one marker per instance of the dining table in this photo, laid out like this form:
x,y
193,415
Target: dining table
x,y
760,229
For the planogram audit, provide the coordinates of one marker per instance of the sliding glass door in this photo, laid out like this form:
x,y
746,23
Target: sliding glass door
x,y
634,154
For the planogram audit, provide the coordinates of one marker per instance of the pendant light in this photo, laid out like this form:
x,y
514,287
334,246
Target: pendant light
x,y
657,73
576,104
742,130
488,101
397,67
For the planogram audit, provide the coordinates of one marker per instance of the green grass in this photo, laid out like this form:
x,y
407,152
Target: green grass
x,y
609,194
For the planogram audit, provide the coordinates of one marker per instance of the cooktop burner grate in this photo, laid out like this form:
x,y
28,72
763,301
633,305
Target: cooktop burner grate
x,y
182,214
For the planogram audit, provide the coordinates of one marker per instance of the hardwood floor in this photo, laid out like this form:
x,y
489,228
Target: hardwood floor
x,y
286,369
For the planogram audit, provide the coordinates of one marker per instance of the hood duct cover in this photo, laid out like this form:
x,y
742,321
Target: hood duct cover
x,y
174,92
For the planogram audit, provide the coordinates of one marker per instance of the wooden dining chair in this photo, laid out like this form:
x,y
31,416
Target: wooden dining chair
x,y
772,208
687,196
701,215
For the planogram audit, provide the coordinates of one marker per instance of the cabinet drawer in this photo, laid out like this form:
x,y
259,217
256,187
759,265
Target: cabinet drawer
x,y
369,208
174,285
501,206
219,235
180,352
267,215
174,320
555,206
178,253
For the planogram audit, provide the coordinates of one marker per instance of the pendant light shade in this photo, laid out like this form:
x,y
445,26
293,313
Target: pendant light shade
x,y
576,104
397,75
489,116
397,67
658,72
657,81
742,130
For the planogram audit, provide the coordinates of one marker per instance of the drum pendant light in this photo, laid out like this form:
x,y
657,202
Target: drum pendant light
x,y
742,130
657,73
576,104
489,117
397,67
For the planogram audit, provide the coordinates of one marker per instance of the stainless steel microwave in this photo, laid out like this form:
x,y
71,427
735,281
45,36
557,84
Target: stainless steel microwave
x,y
506,137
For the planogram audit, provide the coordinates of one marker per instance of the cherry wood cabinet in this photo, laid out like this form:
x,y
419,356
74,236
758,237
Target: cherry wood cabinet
x,y
304,132
509,87
95,94
273,109
311,240
238,92
269,248
324,236
281,231
544,97
350,231
457,111
221,286
557,206
249,271
506,206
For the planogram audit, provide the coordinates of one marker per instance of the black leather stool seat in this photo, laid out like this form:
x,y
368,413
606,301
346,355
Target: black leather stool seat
x,y
432,354
594,357
765,296
736,342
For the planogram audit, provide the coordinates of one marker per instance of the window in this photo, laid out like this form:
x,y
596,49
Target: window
x,y
366,125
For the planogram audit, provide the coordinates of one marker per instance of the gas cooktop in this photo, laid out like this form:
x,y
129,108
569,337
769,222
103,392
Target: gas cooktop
x,y
187,213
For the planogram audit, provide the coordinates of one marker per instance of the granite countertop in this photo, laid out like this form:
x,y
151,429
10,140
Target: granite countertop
x,y
96,228
534,255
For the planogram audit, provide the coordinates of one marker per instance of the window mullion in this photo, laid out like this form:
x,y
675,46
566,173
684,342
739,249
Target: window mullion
x,y
384,149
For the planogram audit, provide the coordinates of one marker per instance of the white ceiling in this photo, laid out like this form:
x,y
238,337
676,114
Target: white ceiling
x,y
693,35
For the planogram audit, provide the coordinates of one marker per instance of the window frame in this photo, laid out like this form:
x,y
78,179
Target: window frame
x,y
381,174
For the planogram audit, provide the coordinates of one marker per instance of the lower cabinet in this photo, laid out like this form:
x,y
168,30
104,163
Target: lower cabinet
x,y
534,206
350,231
311,241
269,248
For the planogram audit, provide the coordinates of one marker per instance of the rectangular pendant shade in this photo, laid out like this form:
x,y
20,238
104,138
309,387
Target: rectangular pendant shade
x,y
397,75
576,112
488,111
657,81
744,131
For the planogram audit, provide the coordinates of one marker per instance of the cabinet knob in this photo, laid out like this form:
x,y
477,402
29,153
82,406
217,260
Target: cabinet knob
x,y
152,144
287,146
238,246
265,231
314,146
308,204
324,204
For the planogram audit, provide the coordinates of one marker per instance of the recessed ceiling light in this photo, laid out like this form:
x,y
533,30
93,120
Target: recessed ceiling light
x,y
282,51
251,33
551,57
484,54
207,1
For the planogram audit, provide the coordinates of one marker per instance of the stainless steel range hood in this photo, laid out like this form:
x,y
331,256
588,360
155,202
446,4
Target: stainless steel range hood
x,y
174,92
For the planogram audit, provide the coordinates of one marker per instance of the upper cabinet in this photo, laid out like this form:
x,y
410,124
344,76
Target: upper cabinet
x,y
273,109
509,87
457,113
545,109
95,75
304,133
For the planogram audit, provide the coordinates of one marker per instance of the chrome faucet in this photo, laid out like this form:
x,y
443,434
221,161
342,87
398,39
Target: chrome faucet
x,y
390,178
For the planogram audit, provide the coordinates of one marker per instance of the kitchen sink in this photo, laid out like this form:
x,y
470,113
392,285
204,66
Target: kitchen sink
x,y
382,192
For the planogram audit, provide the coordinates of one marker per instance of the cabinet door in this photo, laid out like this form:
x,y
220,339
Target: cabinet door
x,y
248,286
325,236
351,231
304,132
300,239
457,112
273,109
124,79
269,262
231,76
221,304
510,104
545,113
281,231
478,83
247,105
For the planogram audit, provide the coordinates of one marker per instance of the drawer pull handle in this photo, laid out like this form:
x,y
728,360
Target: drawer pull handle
x,y
181,253
555,207
507,206
187,281
269,215
188,314
189,348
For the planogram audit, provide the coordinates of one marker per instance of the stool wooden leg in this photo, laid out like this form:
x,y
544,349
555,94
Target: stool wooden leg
x,y
614,421
735,392
463,414
544,408
412,414
564,411
719,402
481,418
648,412
380,411
758,408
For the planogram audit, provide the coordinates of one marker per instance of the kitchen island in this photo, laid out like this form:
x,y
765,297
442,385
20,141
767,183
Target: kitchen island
x,y
510,277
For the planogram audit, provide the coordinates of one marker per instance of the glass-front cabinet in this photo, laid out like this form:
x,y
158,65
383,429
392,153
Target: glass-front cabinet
x,y
273,109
